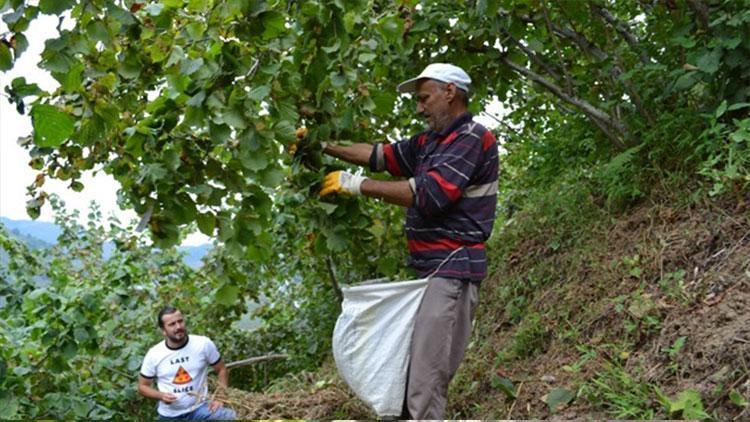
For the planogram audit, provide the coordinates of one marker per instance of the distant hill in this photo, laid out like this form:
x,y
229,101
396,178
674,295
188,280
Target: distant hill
x,y
38,234
32,232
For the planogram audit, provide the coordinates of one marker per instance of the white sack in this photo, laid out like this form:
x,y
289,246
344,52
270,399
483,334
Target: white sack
x,y
371,341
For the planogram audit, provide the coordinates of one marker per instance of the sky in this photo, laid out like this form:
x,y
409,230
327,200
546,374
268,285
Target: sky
x,y
15,173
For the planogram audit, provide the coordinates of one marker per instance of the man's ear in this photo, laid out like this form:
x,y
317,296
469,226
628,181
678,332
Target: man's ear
x,y
450,92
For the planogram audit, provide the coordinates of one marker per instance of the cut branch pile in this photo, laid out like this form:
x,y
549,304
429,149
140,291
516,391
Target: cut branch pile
x,y
327,402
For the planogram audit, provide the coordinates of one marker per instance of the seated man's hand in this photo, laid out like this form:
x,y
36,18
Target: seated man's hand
x,y
168,398
215,404
342,182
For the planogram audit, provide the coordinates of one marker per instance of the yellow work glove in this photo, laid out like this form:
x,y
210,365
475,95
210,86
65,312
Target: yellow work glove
x,y
342,182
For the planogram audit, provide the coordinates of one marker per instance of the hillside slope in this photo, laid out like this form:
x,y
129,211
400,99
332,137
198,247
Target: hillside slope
x,y
642,316
633,319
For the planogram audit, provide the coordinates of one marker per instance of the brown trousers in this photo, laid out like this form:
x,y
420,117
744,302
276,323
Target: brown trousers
x,y
442,329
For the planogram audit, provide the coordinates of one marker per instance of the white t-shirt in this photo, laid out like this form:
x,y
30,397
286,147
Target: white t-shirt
x,y
182,372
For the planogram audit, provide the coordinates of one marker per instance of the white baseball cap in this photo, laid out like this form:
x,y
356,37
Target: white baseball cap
x,y
443,72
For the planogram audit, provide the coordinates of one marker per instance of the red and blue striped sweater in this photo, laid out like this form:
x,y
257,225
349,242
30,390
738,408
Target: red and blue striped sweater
x,y
453,175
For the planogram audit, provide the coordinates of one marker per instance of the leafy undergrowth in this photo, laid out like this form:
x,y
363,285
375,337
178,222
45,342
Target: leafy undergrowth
x,y
640,316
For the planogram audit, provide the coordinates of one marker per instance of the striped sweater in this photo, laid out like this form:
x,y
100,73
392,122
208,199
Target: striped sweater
x,y
453,175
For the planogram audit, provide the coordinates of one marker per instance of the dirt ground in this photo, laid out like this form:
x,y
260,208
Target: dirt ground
x,y
703,252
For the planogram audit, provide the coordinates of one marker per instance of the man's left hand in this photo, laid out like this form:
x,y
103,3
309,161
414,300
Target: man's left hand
x,y
342,182
215,404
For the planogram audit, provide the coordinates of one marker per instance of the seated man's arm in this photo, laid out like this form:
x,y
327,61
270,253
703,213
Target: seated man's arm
x,y
222,372
223,375
146,390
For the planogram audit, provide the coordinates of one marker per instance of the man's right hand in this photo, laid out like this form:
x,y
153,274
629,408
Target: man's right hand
x,y
305,151
300,134
168,398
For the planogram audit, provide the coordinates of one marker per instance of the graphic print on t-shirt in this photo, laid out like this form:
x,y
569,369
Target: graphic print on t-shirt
x,y
182,376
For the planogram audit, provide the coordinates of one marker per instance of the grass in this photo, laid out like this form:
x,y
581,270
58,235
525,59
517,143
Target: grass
x,y
622,395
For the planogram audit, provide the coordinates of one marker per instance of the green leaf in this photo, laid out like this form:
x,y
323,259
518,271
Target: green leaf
x,y
130,67
81,409
333,48
272,177
21,370
51,126
737,106
557,397
709,62
337,79
9,408
741,135
505,385
260,92
234,118
190,66
98,31
326,207
198,6
206,223
384,103
391,27
367,57
6,61
254,161
686,81
687,405
227,295
21,44
72,80
55,7
197,99
721,109
273,24
336,242
80,334
23,89
284,131
736,398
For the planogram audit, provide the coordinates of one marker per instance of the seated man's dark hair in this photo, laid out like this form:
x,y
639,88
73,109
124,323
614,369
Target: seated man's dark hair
x,y
169,309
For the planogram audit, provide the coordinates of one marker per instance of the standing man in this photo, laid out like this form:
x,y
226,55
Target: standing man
x,y
180,366
451,194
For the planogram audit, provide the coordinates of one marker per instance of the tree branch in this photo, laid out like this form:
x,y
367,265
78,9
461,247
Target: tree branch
x,y
603,120
623,31
701,13
532,56
615,70
335,282
256,359
548,22
581,41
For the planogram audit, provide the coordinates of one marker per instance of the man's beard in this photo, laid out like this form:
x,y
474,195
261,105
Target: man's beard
x,y
178,337
439,121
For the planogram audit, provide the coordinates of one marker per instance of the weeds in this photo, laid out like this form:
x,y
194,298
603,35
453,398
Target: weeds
x,y
673,286
620,394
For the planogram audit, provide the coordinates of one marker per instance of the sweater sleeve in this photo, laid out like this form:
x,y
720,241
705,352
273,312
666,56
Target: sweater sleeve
x,y
399,159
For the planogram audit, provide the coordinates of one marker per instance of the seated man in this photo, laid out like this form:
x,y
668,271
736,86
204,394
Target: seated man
x,y
180,366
